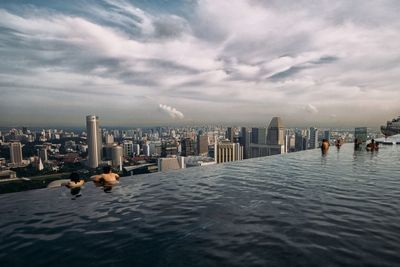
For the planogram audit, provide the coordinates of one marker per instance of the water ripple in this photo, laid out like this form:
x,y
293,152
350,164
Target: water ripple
x,y
299,209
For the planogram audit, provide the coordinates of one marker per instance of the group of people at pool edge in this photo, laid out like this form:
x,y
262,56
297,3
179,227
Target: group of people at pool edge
x,y
106,180
372,146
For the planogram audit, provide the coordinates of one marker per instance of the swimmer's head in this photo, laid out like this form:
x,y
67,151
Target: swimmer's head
x,y
74,177
107,169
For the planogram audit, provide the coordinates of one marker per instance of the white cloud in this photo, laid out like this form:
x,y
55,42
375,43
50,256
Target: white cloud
x,y
172,112
260,55
311,109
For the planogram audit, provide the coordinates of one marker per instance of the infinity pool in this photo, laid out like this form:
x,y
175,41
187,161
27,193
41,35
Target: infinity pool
x,y
299,209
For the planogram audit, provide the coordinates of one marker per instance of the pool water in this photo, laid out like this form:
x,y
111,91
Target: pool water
x,y
299,209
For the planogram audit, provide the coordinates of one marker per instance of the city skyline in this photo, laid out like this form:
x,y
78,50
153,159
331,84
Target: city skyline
x,y
197,62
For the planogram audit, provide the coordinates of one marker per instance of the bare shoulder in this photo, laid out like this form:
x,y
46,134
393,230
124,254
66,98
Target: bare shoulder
x,y
95,177
75,185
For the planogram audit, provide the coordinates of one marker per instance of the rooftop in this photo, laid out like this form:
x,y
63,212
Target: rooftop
x,y
299,209
276,122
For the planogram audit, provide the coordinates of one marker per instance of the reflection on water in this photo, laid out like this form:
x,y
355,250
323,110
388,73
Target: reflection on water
x,y
300,209
75,192
105,186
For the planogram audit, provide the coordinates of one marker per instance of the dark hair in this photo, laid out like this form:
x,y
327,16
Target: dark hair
x,y
74,177
106,169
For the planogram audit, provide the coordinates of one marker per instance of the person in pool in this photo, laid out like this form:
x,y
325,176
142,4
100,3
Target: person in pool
x,y
75,185
107,177
75,181
357,143
372,146
324,146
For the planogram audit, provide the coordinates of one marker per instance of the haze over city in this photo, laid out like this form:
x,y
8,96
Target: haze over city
x,y
179,62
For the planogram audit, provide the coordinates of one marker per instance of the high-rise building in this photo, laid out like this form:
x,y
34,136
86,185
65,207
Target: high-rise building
x,y
361,134
109,139
276,132
136,149
313,138
289,142
300,141
262,136
259,136
39,164
94,144
155,148
116,156
146,150
230,134
202,145
245,142
276,137
327,135
254,136
16,153
108,151
226,151
187,147
43,154
238,152
168,149
128,148
99,143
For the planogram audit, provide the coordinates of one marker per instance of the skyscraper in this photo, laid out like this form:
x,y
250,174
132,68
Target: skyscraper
x,y
258,136
99,143
128,148
254,136
146,150
361,134
290,142
313,138
245,142
116,156
202,145
94,144
300,141
16,153
230,134
136,149
109,139
276,137
327,135
276,132
43,154
187,147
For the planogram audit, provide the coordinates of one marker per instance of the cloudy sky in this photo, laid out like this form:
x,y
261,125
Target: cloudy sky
x,y
323,63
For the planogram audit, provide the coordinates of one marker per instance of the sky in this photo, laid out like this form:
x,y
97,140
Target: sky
x,y
313,63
